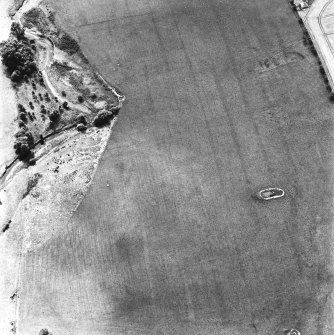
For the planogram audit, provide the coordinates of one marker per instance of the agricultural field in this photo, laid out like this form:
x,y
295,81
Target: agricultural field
x,y
223,99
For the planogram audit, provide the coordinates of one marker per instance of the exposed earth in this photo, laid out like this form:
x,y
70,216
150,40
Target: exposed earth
x,y
223,99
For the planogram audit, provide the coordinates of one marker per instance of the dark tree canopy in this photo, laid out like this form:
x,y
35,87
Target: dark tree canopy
x,y
54,116
24,141
103,118
81,119
18,58
44,332
17,30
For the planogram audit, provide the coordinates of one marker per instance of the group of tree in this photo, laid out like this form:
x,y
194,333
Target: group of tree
x,y
103,118
17,56
24,142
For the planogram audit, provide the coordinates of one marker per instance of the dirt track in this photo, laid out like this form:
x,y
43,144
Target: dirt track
x,y
223,98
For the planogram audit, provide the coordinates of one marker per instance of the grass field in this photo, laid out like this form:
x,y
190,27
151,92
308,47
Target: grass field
x,y
222,99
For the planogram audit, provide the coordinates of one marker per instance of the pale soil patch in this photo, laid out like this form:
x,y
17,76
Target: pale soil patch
x,y
66,172
41,210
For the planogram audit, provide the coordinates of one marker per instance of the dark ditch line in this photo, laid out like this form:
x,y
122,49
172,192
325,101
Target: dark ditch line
x,y
14,296
6,226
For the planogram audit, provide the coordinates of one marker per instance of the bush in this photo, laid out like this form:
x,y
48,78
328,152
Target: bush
x,y
54,116
17,31
81,119
25,136
322,70
21,108
65,105
66,43
81,127
63,93
18,57
103,118
22,124
115,110
22,150
314,51
16,76
80,99
23,117
44,332
24,141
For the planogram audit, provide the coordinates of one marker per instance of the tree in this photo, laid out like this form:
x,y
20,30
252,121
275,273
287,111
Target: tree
x,y
16,76
65,105
22,150
115,110
44,332
81,119
21,108
103,118
54,116
17,30
17,56
81,127
80,99
23,117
